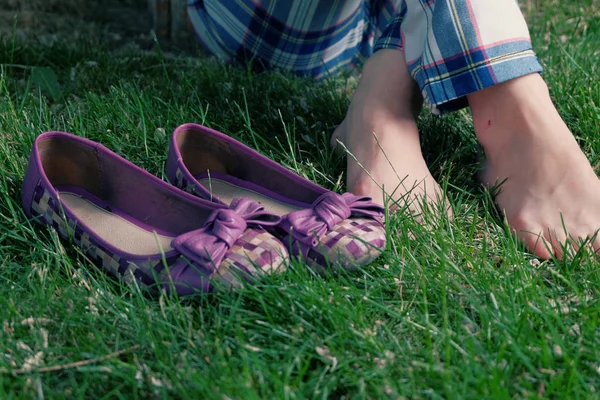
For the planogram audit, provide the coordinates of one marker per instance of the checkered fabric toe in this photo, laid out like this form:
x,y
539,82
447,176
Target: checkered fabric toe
x,y
351,244
255,253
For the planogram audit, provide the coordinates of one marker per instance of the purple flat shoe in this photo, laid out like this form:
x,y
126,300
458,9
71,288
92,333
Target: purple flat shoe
x,y
136,226
325,228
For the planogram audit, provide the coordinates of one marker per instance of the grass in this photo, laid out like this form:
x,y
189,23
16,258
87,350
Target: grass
x,y
460,312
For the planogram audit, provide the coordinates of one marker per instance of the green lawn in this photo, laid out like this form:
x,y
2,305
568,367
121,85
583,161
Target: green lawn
x,y
459,312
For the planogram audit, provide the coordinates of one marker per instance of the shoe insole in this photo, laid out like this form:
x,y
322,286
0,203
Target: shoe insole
x,y
227,191
121,233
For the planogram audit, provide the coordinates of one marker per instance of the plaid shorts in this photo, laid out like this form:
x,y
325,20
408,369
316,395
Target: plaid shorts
x,y
452,47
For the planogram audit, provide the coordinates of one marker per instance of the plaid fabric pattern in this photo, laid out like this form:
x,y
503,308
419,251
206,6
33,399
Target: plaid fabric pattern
x,y
315,38
255,252
453,47
456,47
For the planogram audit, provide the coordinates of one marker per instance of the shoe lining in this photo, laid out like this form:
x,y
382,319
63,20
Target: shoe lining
x,y
227,191
111,183
203,152
119,232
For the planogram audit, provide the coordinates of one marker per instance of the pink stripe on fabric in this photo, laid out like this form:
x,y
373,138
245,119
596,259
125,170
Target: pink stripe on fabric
x,y
478,35
487,46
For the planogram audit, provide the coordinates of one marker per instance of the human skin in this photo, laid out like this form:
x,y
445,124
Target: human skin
x,y
547,189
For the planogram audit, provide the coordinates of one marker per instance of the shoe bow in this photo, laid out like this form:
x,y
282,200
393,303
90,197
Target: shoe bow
x,y
308,226
207,246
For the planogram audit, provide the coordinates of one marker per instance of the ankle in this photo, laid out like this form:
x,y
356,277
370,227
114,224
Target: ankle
x,y
518,112
386,86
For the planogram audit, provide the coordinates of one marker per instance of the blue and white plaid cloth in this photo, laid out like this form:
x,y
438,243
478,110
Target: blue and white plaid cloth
x,y
452,47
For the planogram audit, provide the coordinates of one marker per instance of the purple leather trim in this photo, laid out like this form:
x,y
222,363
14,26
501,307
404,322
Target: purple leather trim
x,y
175,161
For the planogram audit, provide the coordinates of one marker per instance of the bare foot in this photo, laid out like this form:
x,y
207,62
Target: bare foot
x,y
381,137
399,169
548,191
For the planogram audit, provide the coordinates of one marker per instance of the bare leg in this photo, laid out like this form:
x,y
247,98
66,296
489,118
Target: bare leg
x,y
384,105
550,193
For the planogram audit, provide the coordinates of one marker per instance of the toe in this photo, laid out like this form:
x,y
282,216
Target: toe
x,y
538,245
534,240
562,245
